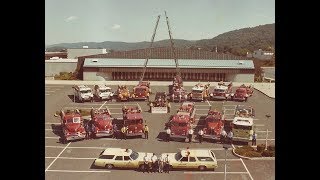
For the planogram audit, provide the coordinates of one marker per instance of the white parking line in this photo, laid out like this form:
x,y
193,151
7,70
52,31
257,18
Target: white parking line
x,y
102,105
258,125
50,91
52,137
54,86
208,103
52,123
139,106
246,168
71,158
72,171
230,105
57,156
201,114
202,109
208,172
47,94
263,131
75,147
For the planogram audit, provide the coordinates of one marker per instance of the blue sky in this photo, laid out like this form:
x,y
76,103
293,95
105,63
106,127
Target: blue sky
x,y
69,21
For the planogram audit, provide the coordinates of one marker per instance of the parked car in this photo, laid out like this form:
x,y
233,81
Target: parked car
x,y
120,158
200,159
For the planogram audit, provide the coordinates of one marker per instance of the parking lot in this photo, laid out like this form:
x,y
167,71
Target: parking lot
x,y
74,160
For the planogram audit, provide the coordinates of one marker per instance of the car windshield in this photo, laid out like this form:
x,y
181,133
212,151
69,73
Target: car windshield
x,y
85,91
178,156
219,90
74,120
134,155
241,91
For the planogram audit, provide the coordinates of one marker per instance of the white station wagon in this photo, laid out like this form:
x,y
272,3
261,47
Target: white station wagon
x,y
120,158
201,159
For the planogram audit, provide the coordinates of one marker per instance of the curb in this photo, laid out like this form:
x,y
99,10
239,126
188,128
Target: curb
x,y
252,158
264,93
239,156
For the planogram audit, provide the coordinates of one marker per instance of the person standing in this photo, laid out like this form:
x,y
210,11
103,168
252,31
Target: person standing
x,y
93,130
146,163
166,164
200,133
115,131
123,133
160,164
87,129
154,161
190,133
230,136
223,136
169,107
168,132
254,139
146,132
151,105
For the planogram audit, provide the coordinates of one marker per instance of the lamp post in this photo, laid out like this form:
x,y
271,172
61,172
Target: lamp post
x,y
268,116
226,147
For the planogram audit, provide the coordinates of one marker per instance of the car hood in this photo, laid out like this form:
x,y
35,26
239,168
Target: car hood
x,y
179,129
103,124
72,127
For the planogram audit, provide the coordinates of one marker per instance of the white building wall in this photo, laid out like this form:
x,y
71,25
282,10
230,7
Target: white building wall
x,y
75,53
53,68
240,77
97,76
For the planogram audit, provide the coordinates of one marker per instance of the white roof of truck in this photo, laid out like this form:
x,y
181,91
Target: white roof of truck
x,y
103,86
82,87
243,121
221,87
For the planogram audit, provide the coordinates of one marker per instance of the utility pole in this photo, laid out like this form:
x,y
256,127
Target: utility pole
x,y
267,139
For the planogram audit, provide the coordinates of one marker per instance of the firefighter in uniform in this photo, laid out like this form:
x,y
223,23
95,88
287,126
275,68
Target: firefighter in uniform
x,y
146,132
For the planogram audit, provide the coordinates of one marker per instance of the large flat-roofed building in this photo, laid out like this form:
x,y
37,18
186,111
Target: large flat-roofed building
x,y
165,69
77,52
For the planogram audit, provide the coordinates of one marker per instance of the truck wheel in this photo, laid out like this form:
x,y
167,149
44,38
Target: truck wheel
x,y
202,168
109,166
141,167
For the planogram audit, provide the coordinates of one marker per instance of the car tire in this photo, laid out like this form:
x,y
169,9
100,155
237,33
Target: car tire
x,y
202,168
141,167
109,166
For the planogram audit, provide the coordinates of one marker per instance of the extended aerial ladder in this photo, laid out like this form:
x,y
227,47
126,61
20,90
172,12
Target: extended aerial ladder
x,y
172,47
149,52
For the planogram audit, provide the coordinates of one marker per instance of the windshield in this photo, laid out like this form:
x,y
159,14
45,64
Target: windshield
x,y
103,117
241,91
178,156
140,90
134,155
85,91
105,90
197,91
74,120
132,122
242,127
219,90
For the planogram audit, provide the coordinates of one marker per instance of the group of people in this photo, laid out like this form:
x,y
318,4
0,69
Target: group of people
x,y
90,129
156,164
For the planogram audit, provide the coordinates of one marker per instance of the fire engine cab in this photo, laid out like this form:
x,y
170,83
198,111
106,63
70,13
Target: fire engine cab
x,y
102,92
200,92
133,119
123,93
102,121
72,125
82,93
221,92
214,124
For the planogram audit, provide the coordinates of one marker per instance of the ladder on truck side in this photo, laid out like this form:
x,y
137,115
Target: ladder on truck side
x,y
149,52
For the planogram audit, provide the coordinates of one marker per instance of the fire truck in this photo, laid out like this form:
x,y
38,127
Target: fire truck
x,y
249,89
188,108
180,123
82,93
102,121
133,119
178,94
123,93
177,81
200,92
179,126
244,111
214,124
141,91
242,129
221,92
160,104
102,92
240,94
72,125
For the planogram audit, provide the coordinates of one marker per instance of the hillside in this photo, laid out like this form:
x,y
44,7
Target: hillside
x,y
237,42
